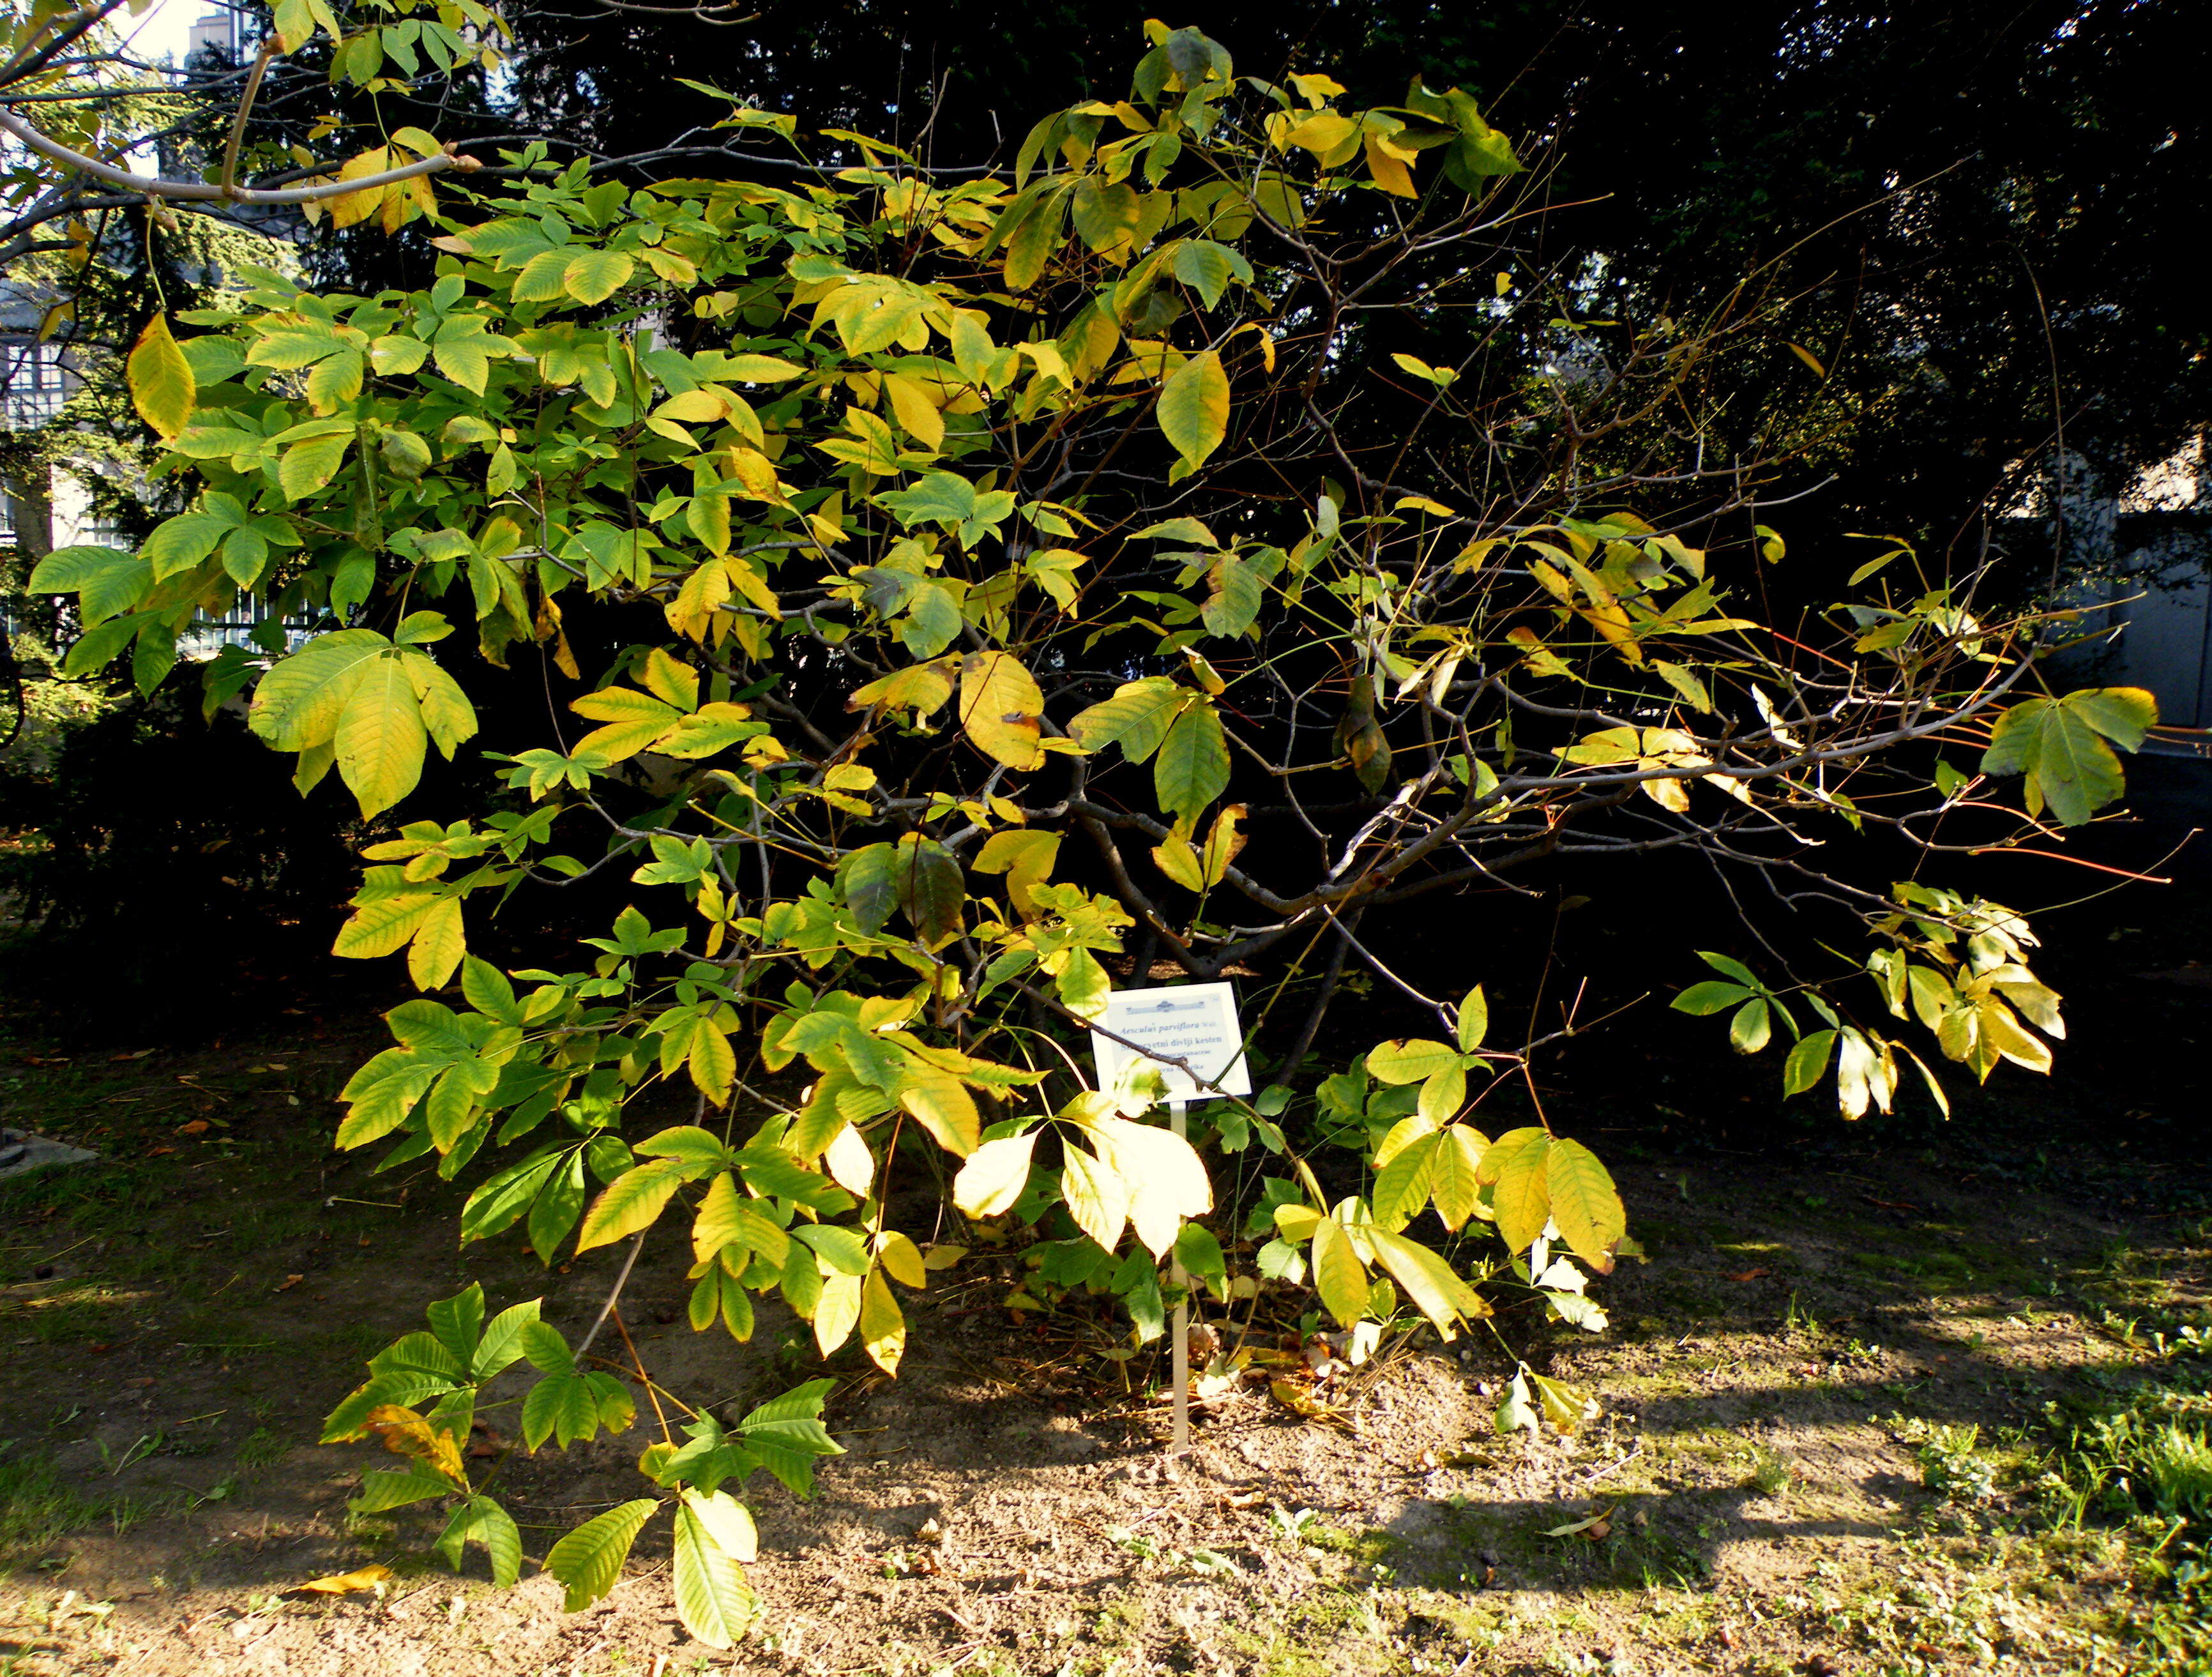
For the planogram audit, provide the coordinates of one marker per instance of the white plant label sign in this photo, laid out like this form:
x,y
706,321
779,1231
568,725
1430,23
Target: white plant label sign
x,y
1194,1021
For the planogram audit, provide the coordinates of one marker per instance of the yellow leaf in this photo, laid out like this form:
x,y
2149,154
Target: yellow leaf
x,y
994,1175
1223,844
1174,857
850,1164
438,944
1096,1198
1338,1276
351,207
1584,1203
883,1329
1390,171
837,1311
921,687
162,388
914,409
380,737
408,1434
1165,1178
726,1519
1001,709
941,1101
902,1260
346,1583
1521,1195
1025,858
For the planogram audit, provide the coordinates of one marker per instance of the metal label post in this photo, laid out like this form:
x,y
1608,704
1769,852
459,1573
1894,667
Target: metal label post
x,y
1181,1028
1179,1354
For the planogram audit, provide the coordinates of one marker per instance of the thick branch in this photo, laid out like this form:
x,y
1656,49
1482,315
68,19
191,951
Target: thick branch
x,y
188,191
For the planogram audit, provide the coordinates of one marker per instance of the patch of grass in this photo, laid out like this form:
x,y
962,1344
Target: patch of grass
x,y
1771,1473
262,1448
40,1506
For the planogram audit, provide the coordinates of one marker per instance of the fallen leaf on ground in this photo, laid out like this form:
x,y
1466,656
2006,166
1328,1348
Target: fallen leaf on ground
x,y
1579,1528
288,1283
346,1584
1303,1403
198,1127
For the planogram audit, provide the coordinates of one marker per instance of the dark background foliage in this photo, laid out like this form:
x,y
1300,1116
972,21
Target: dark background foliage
x,y
1968,213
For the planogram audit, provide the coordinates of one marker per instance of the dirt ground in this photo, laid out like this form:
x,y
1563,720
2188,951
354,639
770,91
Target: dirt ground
x,y
1823,1314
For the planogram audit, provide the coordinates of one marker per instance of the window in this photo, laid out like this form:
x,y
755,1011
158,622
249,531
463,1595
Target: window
x,y
34,383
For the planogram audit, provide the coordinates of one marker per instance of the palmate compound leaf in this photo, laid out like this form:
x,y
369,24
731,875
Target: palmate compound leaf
x,y
589,1559
2060,746
372,706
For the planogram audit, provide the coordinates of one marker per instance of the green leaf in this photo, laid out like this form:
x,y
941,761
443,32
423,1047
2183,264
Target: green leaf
x,y
383,1490
1192,769
593,276
1137,718
1105,215
1807,1062
481,1520
1585,1206
632,1201
457,1321
2058,744
1473,1020
1207,268
1729,965
1710,997
1193,409
1410,1059
162,387
501,1343
589,1559
104,580
1749,1031
309,464
788,1435
711,1595
931,889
